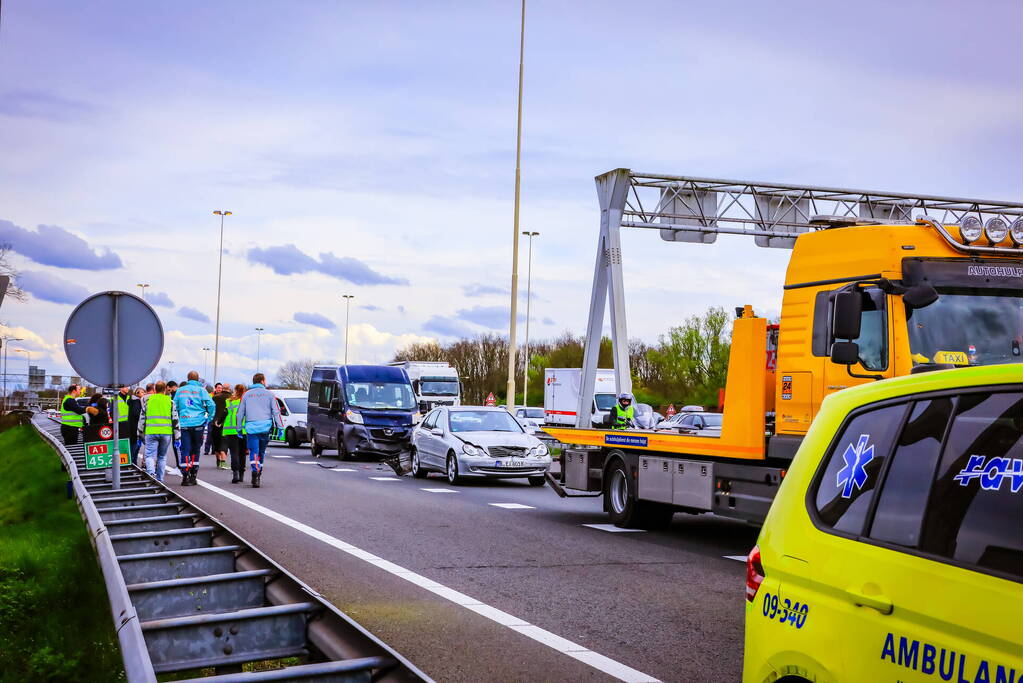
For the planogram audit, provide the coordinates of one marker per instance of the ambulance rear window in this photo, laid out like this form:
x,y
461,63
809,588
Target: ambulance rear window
x,y
976,503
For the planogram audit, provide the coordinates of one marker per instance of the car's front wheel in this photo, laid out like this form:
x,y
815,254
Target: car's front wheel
x,y
342,452
316,448
452,470
417,467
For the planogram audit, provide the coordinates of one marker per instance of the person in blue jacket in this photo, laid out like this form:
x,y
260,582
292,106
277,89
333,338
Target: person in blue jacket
x,y
260,414
195,408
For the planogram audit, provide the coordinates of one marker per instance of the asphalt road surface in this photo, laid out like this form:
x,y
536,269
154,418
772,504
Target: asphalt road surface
x,y
496,581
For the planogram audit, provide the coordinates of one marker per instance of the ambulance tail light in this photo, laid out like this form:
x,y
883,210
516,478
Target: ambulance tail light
x,y
754,574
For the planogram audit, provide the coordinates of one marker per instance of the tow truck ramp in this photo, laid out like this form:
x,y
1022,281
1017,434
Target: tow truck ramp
x,y
187,594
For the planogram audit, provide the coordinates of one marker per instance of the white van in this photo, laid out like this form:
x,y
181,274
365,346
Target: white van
x,y
293,414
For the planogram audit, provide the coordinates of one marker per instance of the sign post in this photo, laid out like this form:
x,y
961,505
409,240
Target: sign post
x,y
113,339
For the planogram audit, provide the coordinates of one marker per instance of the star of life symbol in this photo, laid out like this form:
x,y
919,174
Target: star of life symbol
x,y
991,472
854,474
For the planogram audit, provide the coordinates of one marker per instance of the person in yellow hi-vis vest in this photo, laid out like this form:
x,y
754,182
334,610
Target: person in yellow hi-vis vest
x,y
158,426
72,416
234,435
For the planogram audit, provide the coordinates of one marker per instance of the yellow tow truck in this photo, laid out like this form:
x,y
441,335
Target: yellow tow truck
x,y
879,284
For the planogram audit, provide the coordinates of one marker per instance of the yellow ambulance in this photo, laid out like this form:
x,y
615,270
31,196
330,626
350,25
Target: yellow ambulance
x,y
894,548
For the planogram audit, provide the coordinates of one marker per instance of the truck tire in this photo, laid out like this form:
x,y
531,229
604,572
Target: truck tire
x,y
291,437
622,507
342,452
315,448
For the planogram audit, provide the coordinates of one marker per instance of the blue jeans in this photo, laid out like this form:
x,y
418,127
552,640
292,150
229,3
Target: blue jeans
x,y
257,449
191,447
156,453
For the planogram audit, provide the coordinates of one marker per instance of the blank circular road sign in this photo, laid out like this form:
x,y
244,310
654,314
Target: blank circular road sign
x,y
113,339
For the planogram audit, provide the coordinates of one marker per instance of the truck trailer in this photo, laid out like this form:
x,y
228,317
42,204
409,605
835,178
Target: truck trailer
x,y
561,395
435,383
879,285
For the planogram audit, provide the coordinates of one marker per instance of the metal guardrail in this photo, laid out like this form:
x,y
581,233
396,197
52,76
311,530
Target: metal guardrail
x,y
188,593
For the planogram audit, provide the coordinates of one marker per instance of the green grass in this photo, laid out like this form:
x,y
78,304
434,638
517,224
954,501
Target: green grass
x,y
55,621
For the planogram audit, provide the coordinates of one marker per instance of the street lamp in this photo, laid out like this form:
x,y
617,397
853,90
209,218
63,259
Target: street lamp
x,y
142,288
220,271
6,342
529,294
348,306
515,223
259,333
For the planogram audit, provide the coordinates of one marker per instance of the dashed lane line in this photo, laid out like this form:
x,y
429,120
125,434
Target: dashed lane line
x,y
512,506
280,456
613,529
341,469
307,462
542,636
385,479
439,490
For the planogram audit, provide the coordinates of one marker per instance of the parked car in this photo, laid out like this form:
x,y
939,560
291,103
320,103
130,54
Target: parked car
x,y
477,442
361,410
293,406
530,418
701,424
893,549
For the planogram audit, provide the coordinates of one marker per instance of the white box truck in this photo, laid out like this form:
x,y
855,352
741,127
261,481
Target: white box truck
x,y
561,395
435,383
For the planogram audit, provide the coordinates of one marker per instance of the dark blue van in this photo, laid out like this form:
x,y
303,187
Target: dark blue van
x,y
361,410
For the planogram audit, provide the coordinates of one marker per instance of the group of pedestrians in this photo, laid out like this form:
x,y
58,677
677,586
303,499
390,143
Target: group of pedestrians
x,y
165,417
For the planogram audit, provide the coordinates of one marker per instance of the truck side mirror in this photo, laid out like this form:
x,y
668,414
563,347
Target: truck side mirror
x,y
845,353
920,296
848,310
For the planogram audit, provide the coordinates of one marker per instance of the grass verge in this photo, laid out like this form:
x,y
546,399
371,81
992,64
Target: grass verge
x,y
55,622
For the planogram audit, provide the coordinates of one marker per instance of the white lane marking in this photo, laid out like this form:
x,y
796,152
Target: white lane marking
x,y
342,469
542,636
737,558
512,506
280,456
613,529
307,462
385,479
440,490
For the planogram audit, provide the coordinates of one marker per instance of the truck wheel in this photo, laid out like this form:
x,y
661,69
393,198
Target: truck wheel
x,y
537,481
317,449
417,468
622,507
291,437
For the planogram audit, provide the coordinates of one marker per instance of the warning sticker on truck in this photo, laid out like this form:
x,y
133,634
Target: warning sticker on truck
x,y
625,440
786,387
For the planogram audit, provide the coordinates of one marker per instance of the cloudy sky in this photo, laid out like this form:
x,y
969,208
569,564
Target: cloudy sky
x,y
368,149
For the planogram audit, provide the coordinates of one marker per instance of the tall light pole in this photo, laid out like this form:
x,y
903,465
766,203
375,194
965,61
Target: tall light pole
x,y
142,288
28,377
259,333
6,342
529,296
515,223
348,309
220,271
205,361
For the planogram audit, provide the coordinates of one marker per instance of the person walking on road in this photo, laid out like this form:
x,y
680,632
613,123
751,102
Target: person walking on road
x,y
158,426
220,396
195,409
72,416
134,413
234,435
260,414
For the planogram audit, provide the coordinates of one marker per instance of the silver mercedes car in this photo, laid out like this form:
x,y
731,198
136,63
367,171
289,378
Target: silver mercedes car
x,y
475,442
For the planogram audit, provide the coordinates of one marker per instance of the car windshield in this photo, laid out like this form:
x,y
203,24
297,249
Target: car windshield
x,y
604,401
482,421
297,404
438,387
381,395
532,413
968,327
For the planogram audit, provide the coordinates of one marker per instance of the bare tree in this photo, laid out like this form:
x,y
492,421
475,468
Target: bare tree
x,y
13,290
295,374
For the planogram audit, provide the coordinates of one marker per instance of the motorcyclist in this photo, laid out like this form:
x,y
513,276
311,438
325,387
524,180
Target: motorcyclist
x,y
623,414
